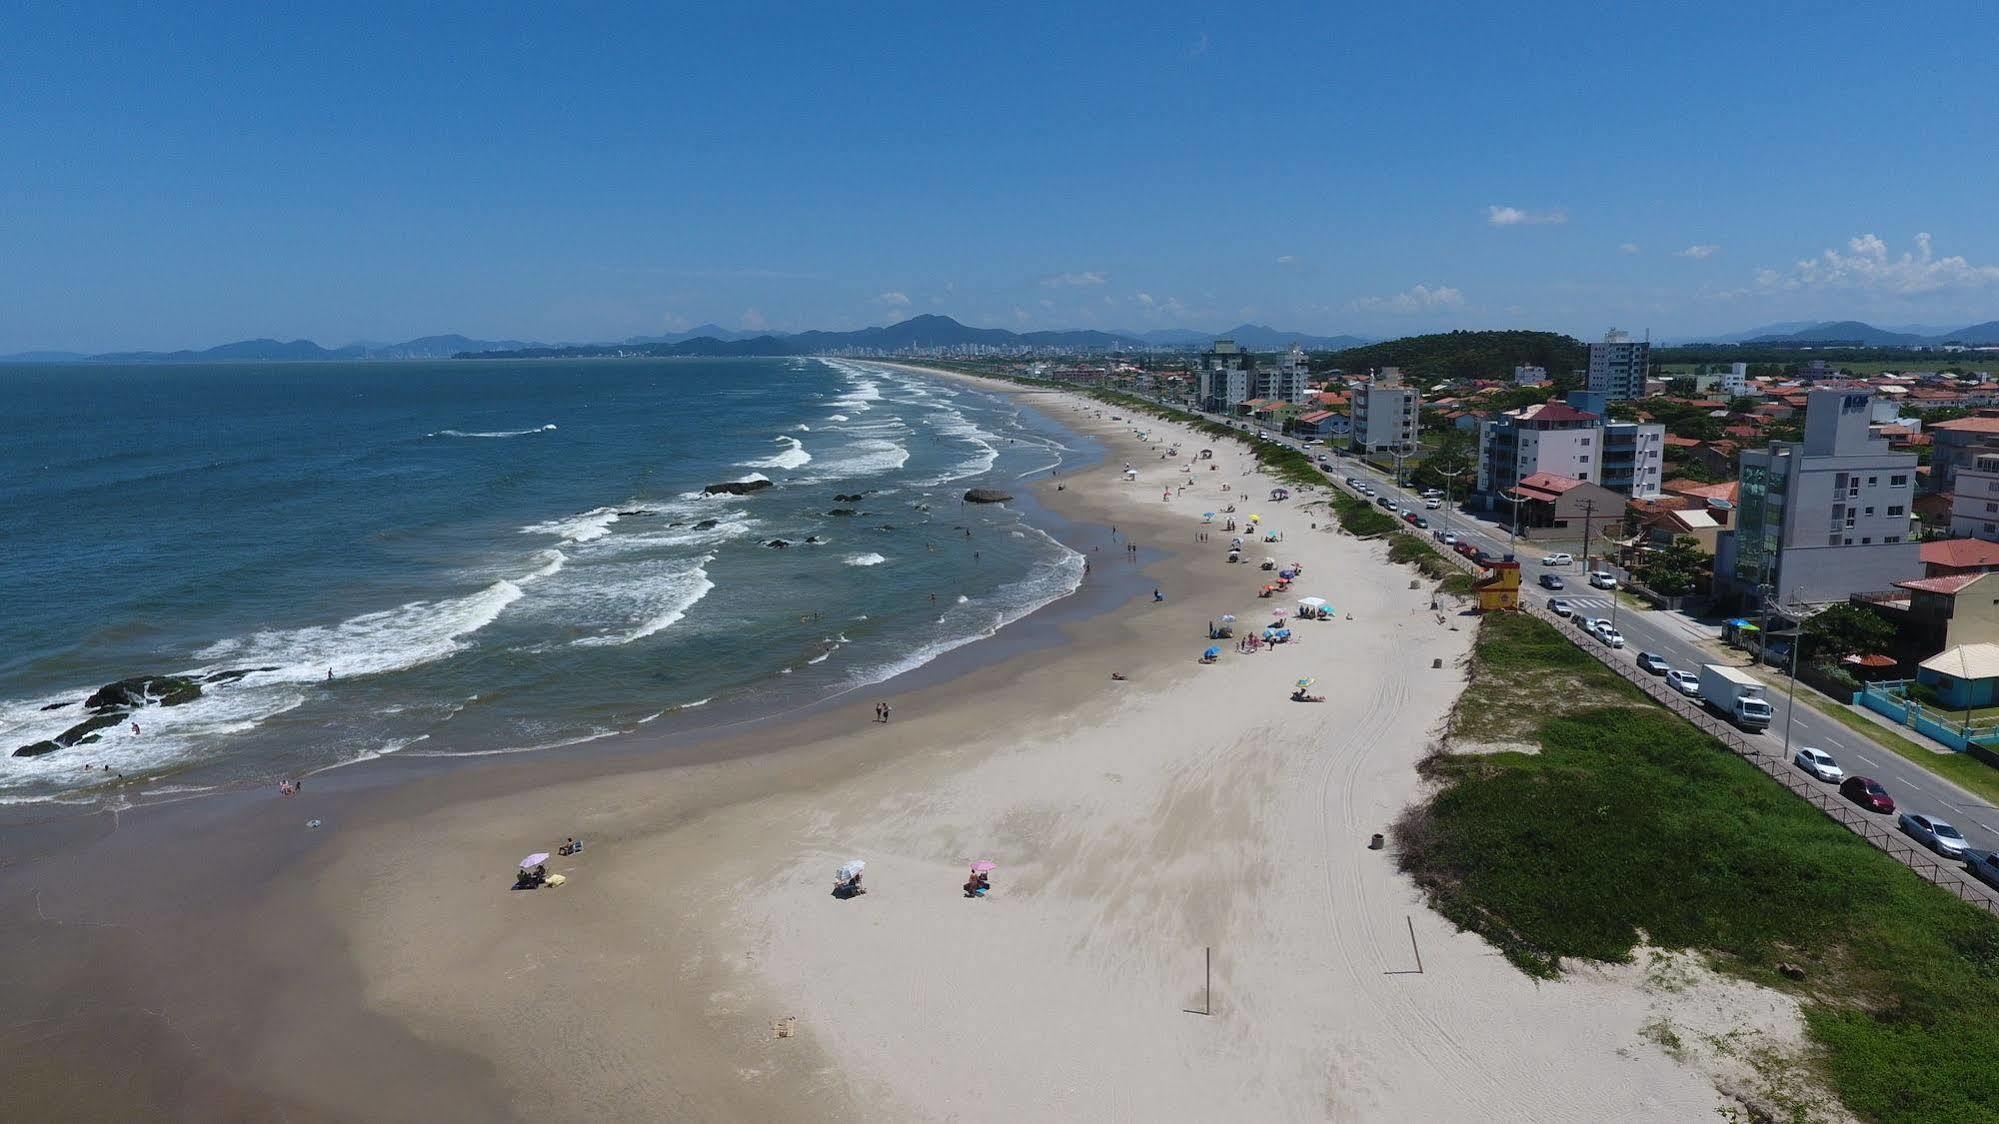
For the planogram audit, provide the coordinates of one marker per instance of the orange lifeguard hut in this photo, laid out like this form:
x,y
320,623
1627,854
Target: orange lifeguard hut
x,y
1499,587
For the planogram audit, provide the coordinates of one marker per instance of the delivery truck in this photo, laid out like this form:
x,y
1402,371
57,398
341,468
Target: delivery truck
x,y
1736,695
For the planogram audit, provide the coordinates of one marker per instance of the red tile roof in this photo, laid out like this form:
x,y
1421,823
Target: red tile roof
x,y
1959,554
1948,585
1547,485
1730,490
1970,425
1316,416
1551,411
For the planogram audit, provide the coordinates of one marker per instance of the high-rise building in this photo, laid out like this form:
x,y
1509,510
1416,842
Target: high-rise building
x,y
1560,439
1285,380
1826,517
1528,376
1384,414
1634,458
1617,366
1227,378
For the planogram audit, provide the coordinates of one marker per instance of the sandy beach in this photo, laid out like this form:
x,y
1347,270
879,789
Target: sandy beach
x,y
1140,827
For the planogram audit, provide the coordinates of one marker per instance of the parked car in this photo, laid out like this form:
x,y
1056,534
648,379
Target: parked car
x,y
1984,866
1820,764
1558,559
1450,538
1433,503
1409,517
1685,682
1868,793
1654,663
1384,501
1464,548
1603,579
1484,557
1422,523
1609,635
1552,581
1353,481
1933,833
1429,492
1560,607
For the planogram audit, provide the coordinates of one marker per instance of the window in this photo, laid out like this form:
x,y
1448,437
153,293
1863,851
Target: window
x,y
1849,542
1898,480
1872,480
1896,509
1867,511
1892,538
1867,540
1832,540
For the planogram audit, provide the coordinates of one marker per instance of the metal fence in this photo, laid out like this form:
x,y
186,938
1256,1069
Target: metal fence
x,y
1774,765
1890,698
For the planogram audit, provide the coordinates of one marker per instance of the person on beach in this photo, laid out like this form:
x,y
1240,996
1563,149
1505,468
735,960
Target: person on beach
x,y
886,711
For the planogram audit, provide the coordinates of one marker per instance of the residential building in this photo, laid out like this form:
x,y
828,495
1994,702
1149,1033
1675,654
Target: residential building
x,y
1384,414
1957,444
1529,376
1934,613
1822,518
1617,366
1634,458
1551,437
1944,558
1964,678
1322,423
1285,380
1735,381
1562,508
1227,377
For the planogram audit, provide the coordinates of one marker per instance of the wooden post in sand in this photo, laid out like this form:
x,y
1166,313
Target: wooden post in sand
x,y
1208,973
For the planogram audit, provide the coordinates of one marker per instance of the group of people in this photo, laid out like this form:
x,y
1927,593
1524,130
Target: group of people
x,y
882,711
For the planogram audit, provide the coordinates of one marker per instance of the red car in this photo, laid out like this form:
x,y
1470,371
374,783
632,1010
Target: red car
x,y
1465,549
1408,517
1868,793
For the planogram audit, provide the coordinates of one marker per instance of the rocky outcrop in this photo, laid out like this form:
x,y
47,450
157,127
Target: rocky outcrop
x,y
143,690
637,511
705,525
736,487
812,540
233,674
841,511
777,544
36,749
855,498
83,733
986,495
60,705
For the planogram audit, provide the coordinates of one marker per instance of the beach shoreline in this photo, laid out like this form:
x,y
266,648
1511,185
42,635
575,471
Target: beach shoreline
x,y
381,969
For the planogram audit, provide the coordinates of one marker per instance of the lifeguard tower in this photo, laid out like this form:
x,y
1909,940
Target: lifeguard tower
x,y
1499,586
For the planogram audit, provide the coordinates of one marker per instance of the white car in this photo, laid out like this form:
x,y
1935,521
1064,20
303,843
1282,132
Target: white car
x,y
1820,764
1685,682
1603,579
1450,538
1609,635
1433,504
1560,607
1558,560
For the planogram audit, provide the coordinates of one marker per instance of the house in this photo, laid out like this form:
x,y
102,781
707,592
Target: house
x,y
1727,492
1947,557
1931,614
1562,507
1963,677
1321,423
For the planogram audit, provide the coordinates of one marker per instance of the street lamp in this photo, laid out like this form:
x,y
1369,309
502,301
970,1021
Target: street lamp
x,y
1516,499
1449,479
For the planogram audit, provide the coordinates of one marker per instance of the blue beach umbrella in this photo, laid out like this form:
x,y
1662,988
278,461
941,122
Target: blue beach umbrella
x,y
1211,653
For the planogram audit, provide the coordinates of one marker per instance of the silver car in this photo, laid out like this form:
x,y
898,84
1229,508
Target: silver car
x,y
1685,682
1560,607
1933,833
1820,764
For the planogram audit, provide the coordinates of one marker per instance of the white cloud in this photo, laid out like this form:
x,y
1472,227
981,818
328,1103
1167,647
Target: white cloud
x,y
1700,251
1630,248
1514,216
753,320
1418,298
1866,265
1288,259
1060,280
894,299
1199,48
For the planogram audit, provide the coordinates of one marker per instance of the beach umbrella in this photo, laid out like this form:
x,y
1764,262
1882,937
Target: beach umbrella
x,y
1211,653
1228,618
534,860
1256,519
1307,681
850,869
1278,613
984,865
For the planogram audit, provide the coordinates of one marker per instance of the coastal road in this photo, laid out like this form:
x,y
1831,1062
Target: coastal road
x,y
1679,639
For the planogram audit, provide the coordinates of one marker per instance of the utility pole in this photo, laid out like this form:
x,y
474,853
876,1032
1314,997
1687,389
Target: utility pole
x,y
1449,479
1589,509
1516,499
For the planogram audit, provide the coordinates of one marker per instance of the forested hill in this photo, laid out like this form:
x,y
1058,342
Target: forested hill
x,y
1464,354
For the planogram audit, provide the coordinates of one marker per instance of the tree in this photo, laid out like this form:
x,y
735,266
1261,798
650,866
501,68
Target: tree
x,y
1846,629
1677,570
1450,463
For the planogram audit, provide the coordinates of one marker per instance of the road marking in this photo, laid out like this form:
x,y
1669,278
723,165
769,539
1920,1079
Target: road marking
x,y
1868,761
1832,743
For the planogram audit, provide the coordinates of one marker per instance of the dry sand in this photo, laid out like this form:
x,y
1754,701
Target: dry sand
x,y
1136,825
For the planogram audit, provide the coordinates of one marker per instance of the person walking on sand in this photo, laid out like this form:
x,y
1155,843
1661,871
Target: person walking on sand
x,y
878,713
886,711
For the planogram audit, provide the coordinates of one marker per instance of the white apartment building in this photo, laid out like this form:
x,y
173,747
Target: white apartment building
x,y
1735,380
1974,506
1384,414
1529,376
1226,378
1617,366
1557,438
1286,380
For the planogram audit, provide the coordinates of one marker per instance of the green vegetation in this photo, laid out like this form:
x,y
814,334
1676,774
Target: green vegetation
x,y
1450,462
1465,355
1360,517
1281,461
1843,630
1631,825
1961,769
1426,558
1675,571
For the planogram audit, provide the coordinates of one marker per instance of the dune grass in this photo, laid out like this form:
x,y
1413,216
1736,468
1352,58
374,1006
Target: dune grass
x,y
1631,825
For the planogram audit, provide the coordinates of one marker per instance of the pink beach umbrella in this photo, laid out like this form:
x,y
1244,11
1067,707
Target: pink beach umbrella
x,y
984,865
534,860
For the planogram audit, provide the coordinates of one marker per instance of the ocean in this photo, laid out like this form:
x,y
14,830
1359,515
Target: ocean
x,y
486,556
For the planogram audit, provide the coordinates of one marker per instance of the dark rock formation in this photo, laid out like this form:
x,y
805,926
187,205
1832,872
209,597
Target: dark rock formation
x,y
59,706
36,749
736,487
855,498
841,511
233,674
777,544
141,690
986,495
637,511
811,540
705,524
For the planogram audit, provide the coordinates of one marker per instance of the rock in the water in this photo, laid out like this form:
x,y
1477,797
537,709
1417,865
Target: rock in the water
x,y
811,539
841,511
705,525
59,706
141,690
777,544
986,495
636,511
736,487
83,730
855,498
36,749
233,674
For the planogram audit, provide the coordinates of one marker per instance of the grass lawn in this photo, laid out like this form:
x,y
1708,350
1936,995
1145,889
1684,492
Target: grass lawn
x,y
1631,825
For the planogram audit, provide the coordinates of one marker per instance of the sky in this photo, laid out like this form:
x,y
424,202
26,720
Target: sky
x,y
183,175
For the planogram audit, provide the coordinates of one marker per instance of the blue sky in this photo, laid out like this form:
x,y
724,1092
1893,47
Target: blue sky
x,y
181,178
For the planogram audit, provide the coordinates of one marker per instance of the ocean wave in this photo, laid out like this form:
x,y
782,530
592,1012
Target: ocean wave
x,y
370,644
869,457
839,417
581,527
501,433
666,600
794,456
865,560
552,561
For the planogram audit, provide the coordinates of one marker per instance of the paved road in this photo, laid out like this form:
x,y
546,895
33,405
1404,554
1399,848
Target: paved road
x,y
1677,638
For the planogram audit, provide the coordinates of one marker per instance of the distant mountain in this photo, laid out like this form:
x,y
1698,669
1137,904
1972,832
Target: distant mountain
x,y
1257,337
1986,333
705,331
300,351
1171,337
1845,331
43,357
1780,329
438,347
1867,335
